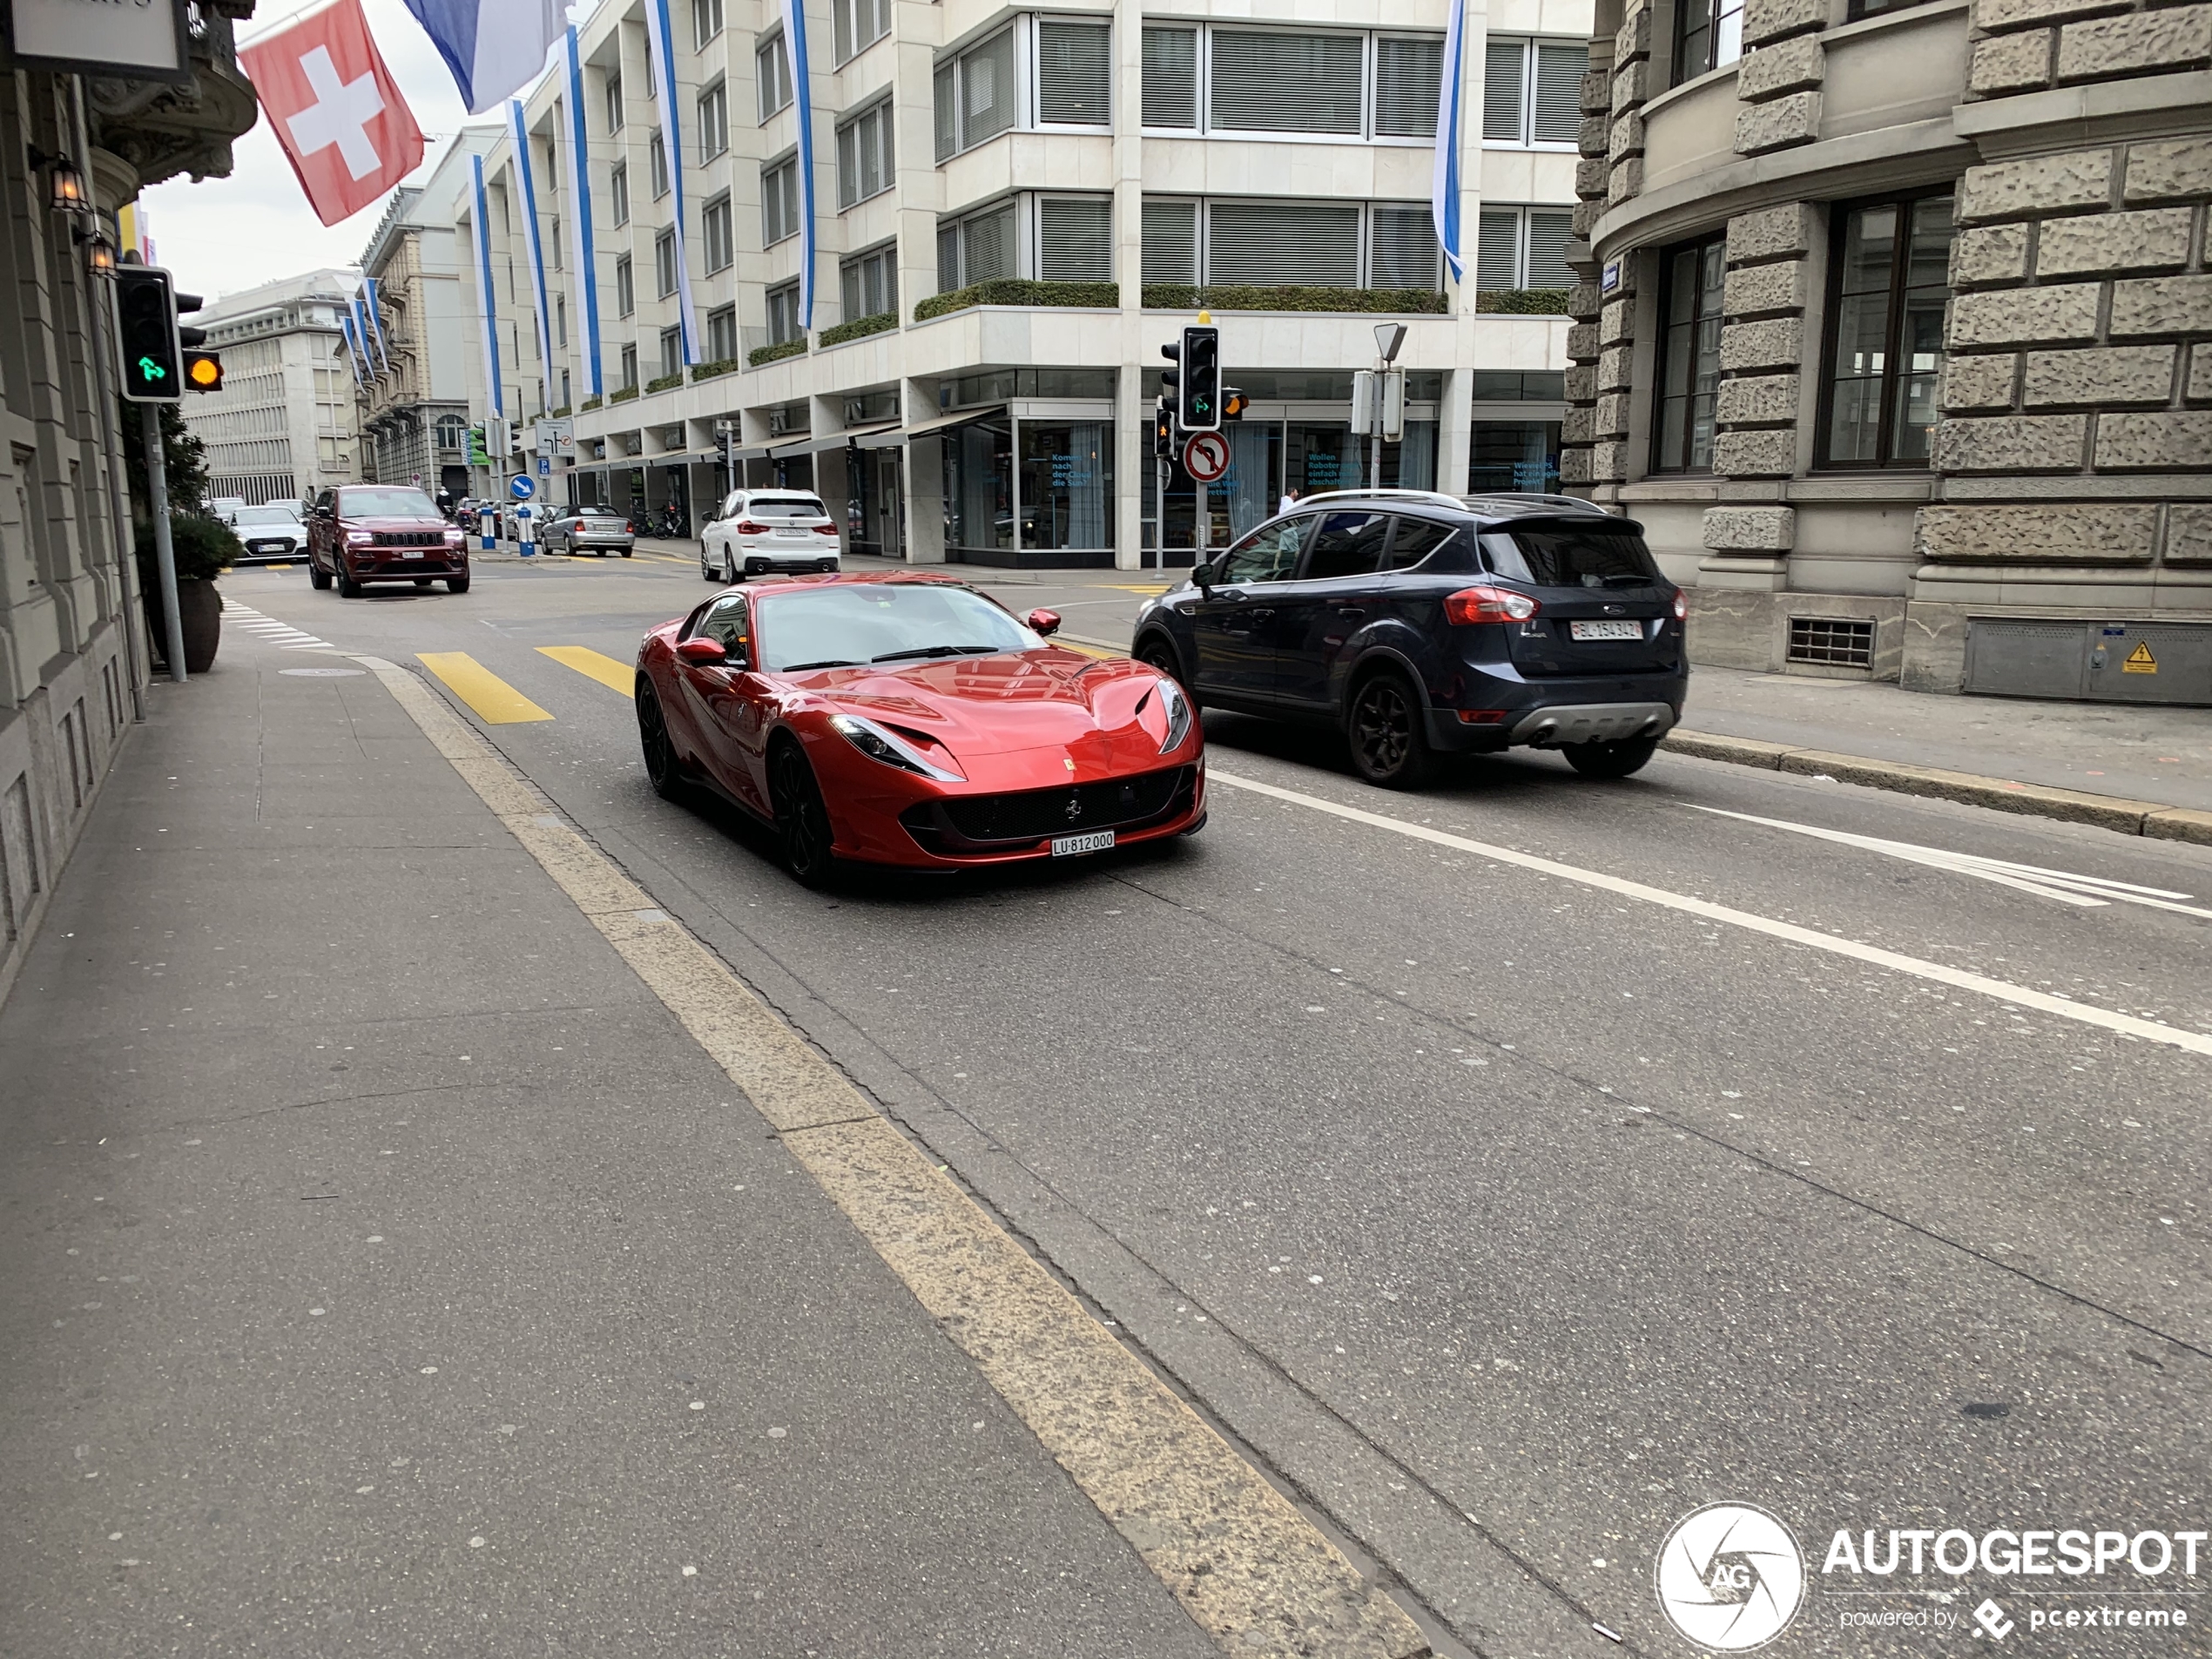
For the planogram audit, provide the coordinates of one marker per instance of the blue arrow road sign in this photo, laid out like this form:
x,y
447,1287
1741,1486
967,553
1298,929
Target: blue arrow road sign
x,y
521,487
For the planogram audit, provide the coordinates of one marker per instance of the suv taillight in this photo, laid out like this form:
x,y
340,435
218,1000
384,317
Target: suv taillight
x,y
824,529
747,527
1471,605
1682,606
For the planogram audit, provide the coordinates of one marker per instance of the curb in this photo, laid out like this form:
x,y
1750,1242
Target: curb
x,y
2146,818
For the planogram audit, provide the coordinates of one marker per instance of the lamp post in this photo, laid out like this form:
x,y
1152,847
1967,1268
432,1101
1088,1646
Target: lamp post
x,y
1389,337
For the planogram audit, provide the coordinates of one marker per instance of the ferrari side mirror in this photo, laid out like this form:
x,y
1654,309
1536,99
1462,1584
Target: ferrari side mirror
x,y
704,652
1045,622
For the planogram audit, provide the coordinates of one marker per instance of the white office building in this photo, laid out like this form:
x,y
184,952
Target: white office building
x,y
283,425
1012,210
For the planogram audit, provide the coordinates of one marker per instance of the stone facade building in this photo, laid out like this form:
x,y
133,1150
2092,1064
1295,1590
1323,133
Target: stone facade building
x,y
282,427
1897,332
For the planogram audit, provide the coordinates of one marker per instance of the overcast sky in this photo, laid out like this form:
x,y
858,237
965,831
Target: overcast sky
x,y
221,235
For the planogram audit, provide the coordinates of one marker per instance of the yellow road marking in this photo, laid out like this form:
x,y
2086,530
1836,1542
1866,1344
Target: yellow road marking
x,y
615,676
1134,587
1255,1574
495,701
1088,651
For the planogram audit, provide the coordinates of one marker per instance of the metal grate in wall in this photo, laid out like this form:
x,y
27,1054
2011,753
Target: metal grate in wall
x,y
1834,642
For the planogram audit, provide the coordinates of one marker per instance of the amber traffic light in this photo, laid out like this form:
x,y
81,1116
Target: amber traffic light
x,y
203,371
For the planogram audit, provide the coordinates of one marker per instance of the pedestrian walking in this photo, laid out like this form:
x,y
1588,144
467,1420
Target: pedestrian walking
x,y
1288,500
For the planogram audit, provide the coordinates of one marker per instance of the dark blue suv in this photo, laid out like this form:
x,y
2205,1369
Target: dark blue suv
x,y
1423,624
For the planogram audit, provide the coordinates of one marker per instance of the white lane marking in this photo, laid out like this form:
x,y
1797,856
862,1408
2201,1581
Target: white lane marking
x,y
2061,885
282,635
1981,984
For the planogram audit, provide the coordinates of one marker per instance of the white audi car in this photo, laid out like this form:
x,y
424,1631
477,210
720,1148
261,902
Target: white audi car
x,y
273,532
767,532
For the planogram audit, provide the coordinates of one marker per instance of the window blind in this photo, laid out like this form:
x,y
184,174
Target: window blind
x,y
948,258
987,89
1170,77
1075,238
722,334
1497,249
947,87
987,247
1559,69
1504,72
1271,243
1402,249
1265,82
1075,74
714,231
665,262
1408,75
1548,237
1171,241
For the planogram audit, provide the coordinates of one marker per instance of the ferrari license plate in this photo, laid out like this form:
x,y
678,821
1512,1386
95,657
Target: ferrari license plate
x,y
1606,630
1066,847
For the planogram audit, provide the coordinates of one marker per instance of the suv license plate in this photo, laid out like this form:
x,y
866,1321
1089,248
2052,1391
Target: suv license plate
x,y
1067,846
1606,630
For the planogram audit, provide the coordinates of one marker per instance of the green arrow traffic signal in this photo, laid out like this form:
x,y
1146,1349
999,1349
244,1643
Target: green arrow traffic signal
x,y
152,370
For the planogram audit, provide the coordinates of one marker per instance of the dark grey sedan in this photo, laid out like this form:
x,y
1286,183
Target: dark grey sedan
x,y
587,529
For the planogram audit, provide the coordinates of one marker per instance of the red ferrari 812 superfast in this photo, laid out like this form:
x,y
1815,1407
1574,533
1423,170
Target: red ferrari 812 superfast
x,y
905,719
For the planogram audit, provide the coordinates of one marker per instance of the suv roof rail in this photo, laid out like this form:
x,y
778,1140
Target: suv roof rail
x,y
1572,502
1436,496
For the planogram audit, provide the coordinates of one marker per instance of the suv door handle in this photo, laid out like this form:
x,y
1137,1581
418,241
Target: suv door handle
x,y
1354,612
1257,615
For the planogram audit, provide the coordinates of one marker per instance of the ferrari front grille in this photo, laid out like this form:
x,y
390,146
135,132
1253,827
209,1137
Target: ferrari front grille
x,y
958,824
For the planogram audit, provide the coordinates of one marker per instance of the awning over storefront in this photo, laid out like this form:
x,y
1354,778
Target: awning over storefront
x,y
946,424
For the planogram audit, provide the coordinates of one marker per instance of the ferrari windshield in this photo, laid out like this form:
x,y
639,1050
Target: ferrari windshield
x,y
882,622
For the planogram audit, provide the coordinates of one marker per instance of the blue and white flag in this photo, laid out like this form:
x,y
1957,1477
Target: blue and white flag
x,y
494,48
480,246
660,47
518,130
803,107
346,334
368,303
1444,189
577,175
360,334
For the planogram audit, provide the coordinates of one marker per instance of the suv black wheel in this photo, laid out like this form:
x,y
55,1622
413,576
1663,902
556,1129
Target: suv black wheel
x,y
1155,653
348,588
317,577
1389,744
653,739
1609,759
801,818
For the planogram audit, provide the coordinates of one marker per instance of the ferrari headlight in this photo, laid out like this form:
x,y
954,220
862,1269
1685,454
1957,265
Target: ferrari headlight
x,y
1179,712
878,745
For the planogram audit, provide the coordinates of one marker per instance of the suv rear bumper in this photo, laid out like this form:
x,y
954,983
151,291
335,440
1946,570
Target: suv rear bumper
x,y
1599,714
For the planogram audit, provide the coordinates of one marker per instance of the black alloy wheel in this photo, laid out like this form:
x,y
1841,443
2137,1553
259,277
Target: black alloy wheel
x,y
318,578
1389,744
1615,759
348,588
801,818
456,584
653,738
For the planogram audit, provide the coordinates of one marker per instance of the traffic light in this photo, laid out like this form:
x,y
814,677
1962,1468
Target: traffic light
x,y
478,455
1162,428
1170,379
145,333
1198,408
203,369
1233,403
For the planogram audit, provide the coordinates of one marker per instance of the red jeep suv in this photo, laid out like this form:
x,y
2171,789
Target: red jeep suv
x,y
365,533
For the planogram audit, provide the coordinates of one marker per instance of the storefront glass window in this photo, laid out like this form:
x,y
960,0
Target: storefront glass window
x,y
1513,455
1066,485
979,485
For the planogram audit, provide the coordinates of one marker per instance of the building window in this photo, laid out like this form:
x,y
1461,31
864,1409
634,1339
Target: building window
x,y
657,164
1532,91
864,155
714,232
614,103
1888,287
1263,81
1409,72
975,95
779,202
714,120
722,334
783,314
1075,74
671,351
560,320
453,430
771,69
556,249
1075,238
625,286
1171,79
869,282
1689,356
664,263
567,399
1708,34
1402,250
707,22
859,24
618,194
629,368
1171,237
1522,248
1066,485
1294,242
979,248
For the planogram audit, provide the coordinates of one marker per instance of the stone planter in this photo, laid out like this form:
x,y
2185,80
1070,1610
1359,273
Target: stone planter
x,y
200,608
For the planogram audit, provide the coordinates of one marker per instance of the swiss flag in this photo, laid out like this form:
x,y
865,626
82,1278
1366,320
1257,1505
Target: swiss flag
x,y
335,108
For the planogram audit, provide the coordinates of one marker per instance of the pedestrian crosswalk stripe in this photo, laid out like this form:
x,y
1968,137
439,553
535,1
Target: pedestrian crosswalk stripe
x,y
282,635
616,676
495,701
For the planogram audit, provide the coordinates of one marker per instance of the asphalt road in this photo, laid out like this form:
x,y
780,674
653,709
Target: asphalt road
x,y
1506,1217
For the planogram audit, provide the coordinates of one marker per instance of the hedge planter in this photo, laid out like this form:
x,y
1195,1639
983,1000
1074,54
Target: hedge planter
x,y
1018,290
777,353
200,609
1176,296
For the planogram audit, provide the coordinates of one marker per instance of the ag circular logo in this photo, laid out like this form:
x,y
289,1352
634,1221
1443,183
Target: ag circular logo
x,y
1731,1577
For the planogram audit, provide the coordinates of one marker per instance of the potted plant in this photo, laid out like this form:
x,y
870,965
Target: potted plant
x,y
203,550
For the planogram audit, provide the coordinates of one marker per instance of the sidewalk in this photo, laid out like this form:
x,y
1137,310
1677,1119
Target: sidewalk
x,y
384,1269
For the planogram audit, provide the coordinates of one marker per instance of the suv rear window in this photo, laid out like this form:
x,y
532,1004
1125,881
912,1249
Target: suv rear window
x,y
786,507
1570,556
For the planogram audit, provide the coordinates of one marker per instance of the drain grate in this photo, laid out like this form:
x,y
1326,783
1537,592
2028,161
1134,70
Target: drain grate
x,y
1836,642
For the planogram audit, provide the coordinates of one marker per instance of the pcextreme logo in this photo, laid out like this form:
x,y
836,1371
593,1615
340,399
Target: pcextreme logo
x,y
1731,1577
